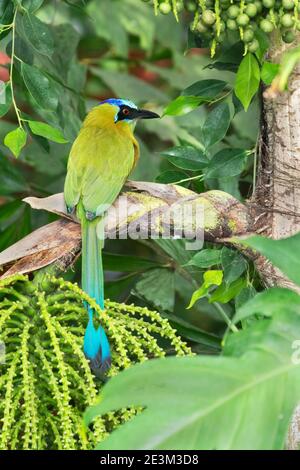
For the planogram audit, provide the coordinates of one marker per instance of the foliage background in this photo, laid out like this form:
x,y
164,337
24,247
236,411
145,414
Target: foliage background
x,y
67,56
141,57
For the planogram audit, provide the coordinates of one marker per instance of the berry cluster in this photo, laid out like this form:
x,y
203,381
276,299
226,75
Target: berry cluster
x,y
213,18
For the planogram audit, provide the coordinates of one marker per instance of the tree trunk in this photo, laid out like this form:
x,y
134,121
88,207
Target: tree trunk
x,y
277,196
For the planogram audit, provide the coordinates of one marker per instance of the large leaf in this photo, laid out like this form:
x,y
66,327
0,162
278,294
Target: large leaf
x,y
126,263
226,163
247,80
268,303
216,125
206,258
41,88
157,287
186,158
205,88
38,34
282,253
183,105
211,402
44,130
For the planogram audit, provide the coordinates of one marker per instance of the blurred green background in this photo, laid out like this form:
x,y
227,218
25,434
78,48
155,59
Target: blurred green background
x,y
107,48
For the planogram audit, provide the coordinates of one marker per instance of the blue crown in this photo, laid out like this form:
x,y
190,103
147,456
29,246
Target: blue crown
x,y
119,102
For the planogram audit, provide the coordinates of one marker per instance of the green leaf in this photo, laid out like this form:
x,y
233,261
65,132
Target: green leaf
x,y
183,105
247,80
282,253
15,140
211,391
268,303
186,158
233,263
41,88
269,72
6,14
118,290
226,292
125,263
157,287
38,34
32,5
264,43
205,88
226,163
206,258
172,176
216,125
5,98
49,132
211,278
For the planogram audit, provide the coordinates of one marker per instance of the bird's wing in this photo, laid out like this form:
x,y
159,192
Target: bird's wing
x,y
99,163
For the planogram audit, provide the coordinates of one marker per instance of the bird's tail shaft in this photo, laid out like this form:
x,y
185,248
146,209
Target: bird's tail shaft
x,y
96,345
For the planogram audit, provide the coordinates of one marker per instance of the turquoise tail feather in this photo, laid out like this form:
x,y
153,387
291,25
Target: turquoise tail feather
x,y
96,346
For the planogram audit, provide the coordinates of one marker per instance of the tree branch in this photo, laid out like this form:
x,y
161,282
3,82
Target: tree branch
x,y
149,210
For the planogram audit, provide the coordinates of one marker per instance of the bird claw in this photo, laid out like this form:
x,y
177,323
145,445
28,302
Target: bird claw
x,y
90,215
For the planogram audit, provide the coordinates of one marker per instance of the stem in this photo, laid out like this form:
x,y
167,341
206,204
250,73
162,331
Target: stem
x,y
233,328
188,179
12,67
255,166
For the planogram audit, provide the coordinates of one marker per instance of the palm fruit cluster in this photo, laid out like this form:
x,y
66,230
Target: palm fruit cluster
x,y
214,18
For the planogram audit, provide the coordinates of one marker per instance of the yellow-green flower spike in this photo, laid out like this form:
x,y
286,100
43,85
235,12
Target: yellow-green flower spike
x,y
46,382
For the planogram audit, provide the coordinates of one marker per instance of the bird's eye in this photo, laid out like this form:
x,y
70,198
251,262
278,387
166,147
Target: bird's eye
x,y
125,111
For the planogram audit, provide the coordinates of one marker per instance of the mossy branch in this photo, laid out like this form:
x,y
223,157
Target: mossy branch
x,y
222,216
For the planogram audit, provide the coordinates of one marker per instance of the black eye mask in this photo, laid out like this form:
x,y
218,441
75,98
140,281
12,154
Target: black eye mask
x,y
131,113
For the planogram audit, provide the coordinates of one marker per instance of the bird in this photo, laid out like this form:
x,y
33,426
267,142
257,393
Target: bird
x,y
100,161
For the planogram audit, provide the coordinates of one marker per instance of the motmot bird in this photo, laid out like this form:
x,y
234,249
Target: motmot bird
x,y
101,158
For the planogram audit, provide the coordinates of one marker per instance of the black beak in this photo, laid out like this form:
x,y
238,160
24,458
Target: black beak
x,y
144,114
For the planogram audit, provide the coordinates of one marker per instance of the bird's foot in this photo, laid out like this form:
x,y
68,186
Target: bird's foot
x,y
90,215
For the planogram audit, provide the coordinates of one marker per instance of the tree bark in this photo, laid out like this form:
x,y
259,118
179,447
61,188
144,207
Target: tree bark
x,y
277,195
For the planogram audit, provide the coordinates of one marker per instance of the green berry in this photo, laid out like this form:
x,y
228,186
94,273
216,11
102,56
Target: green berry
x,y
231,25
287,20
266,26
191,6
165,8
179,5
258,5
268,3
208,17
201,28
288,36
251,10
248,35
233,11
288,4
242,19
253,46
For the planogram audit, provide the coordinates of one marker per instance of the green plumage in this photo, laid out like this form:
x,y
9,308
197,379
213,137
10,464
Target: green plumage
x,y
100,161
